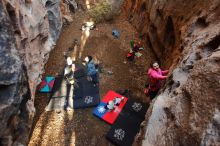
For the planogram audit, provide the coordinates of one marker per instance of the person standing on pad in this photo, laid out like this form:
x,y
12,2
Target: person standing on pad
x,y
91,70
69,71
69,77
156,75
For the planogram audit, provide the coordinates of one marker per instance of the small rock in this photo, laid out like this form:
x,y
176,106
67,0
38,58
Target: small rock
x,y
58,111
68,19
109,72
143,124
177,91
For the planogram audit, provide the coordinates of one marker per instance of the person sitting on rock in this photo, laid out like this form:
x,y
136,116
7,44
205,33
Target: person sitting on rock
x,y
156,75
91,70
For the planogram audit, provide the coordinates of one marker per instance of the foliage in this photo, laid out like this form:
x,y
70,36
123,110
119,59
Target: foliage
x,y
101,11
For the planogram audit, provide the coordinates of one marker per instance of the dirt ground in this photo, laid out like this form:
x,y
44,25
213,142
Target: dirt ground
x,y
79,127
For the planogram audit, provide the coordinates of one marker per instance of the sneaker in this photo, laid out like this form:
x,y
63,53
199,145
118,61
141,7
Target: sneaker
x,y
67,108
97,84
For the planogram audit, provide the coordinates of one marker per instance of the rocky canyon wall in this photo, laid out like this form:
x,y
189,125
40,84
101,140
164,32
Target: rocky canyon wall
x,y
185,36
28,32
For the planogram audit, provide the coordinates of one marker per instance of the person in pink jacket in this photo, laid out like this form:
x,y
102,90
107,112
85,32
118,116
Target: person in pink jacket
x,y
155,75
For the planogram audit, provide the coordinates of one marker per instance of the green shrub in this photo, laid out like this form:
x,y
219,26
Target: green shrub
x,y
101,11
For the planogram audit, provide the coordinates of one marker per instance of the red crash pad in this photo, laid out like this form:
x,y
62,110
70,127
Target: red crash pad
x,y
105,114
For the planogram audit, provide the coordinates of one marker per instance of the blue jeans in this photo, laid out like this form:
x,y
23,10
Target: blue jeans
x,y
95,78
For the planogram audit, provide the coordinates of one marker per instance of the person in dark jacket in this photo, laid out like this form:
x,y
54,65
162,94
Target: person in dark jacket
x,y
91,70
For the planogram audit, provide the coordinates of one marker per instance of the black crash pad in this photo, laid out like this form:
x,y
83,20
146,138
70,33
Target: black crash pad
x,y
86,101
128,123
124,130
82,94
85,88
81,71
136,107
85,94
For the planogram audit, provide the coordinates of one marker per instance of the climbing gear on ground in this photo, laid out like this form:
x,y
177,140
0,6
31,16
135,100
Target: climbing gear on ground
x,y
115,33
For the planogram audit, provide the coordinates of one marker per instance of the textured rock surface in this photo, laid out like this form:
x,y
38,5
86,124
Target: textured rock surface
x,y
13,83
67,8
29,29
54,17
184,35
35,35
104,10
116,6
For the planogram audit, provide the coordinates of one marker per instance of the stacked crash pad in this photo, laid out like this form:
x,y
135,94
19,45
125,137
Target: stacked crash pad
x,y
85,94
106,115
125,119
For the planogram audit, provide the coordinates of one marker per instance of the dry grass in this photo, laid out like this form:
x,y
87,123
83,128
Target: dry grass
x,y
101,11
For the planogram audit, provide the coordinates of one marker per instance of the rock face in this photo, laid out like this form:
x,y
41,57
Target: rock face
x,y
185,36
67,8
29,29
116,6
54,17
12,80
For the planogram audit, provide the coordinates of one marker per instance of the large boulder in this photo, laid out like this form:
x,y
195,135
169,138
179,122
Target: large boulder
x,y
29,30
13,83
185,36
105,9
